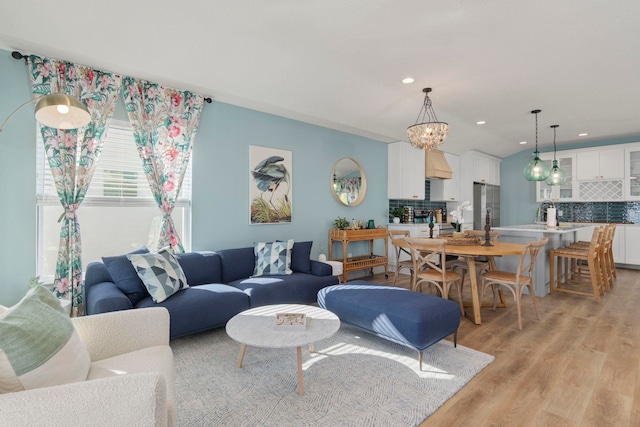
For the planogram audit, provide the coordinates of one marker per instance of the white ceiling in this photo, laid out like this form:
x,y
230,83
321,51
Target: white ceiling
x,y
339,63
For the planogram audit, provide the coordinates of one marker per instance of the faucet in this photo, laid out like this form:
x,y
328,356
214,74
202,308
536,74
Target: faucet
x,y
542,210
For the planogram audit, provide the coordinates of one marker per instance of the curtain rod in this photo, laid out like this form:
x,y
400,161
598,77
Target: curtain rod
x,y
17,55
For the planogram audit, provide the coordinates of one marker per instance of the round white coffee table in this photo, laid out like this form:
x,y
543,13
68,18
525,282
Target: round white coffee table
x,y
255,327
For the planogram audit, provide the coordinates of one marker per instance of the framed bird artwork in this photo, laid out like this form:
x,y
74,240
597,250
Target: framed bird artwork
x,y
270,189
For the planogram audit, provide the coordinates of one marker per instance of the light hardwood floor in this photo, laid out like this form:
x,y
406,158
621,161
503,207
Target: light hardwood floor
x,y
577,366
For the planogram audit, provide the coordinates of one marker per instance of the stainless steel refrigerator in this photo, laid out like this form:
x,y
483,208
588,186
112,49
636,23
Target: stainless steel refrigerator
x,y
485,196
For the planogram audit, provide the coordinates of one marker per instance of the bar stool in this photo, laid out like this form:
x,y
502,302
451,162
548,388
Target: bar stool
x,y
575,278
605,256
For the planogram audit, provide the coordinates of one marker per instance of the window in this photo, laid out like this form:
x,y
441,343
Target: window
x,y
118,213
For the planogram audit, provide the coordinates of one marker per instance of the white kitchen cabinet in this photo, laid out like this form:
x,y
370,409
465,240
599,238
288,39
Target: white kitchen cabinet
x,y
486,169
619,239
632,172
447,190
600,164
488,172
405,169
631,244
600,175
567,192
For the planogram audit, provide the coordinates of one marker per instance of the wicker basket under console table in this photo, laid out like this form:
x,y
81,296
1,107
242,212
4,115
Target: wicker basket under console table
x,y
359,262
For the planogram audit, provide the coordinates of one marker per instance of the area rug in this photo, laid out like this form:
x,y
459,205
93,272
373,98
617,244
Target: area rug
x,y
353,379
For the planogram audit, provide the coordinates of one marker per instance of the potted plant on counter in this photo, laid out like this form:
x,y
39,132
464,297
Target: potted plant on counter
x,y
395,214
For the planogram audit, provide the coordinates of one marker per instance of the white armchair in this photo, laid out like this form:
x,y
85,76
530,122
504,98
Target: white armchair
x,y
131,380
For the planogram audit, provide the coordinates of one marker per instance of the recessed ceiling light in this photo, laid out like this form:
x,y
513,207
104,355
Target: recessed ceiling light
x,y
583,134
522,142
408,80
481,122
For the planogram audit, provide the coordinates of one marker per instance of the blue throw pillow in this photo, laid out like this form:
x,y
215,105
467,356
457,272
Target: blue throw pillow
x,y
272,258
125,277
301,257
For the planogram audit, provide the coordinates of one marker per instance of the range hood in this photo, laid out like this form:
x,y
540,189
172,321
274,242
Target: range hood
x,y
436,165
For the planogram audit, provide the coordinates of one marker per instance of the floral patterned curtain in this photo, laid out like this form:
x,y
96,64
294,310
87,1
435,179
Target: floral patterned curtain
x,y
164,122
72,156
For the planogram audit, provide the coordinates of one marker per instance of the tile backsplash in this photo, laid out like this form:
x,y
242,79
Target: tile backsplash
x,y
620,212
419,204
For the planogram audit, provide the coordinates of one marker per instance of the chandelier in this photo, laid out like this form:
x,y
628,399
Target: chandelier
x,y
556,175
536,169
428,133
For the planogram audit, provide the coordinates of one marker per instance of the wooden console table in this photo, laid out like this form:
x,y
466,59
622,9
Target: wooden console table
x,y
363,261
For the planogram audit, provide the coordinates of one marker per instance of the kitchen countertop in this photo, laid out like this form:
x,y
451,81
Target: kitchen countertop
x,y
541,228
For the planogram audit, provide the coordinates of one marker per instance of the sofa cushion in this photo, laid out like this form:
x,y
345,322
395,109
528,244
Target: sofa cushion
x,y
160,272
301,257
200,268
272,258
237,263
39,346
125,276
202,307
295,288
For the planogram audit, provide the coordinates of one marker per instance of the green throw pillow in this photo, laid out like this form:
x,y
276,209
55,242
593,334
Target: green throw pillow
x,y
272,258
160,273
39,346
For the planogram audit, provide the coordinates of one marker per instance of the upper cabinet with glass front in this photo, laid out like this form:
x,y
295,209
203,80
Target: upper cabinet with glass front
x,y
632,169
562,193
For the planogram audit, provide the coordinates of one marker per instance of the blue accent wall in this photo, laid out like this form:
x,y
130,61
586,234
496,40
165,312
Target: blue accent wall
x,y
17,182
221,178
518,196
220,214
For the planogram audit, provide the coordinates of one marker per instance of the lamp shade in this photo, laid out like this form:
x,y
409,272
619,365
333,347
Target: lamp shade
x,y
536,169
61,111
556,175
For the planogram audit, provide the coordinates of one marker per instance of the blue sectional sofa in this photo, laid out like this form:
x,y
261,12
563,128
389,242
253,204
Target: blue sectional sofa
x,y
220,286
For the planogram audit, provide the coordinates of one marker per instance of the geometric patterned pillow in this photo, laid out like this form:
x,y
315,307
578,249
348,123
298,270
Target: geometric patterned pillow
x,y
272,258
160,273
39,347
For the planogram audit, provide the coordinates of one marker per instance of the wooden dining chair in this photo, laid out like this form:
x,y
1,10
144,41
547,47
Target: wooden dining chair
x,y
430,266
400,247
482,264
516,282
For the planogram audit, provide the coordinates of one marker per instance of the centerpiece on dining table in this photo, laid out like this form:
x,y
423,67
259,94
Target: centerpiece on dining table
x,y
457,219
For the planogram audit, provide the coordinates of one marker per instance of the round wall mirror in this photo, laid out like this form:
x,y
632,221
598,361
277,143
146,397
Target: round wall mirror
x,y
348,183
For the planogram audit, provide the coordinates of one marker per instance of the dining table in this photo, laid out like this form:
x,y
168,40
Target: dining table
x,y
470,252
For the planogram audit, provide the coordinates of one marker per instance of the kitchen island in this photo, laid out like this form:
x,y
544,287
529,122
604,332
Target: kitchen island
x,y
558,237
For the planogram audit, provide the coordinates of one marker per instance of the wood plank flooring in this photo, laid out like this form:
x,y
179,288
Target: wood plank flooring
x,y
577,366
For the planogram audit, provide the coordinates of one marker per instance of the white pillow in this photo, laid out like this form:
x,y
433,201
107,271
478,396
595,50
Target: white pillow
x,y
39,346
160,273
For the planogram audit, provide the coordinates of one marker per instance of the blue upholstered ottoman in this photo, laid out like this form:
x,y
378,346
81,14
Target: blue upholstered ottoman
x,y
409,318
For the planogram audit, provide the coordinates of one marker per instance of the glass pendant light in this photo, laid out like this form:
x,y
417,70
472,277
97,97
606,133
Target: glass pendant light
x,y
536,170
556,175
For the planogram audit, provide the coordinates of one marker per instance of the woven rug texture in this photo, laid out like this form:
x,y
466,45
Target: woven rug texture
x,y
353,379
